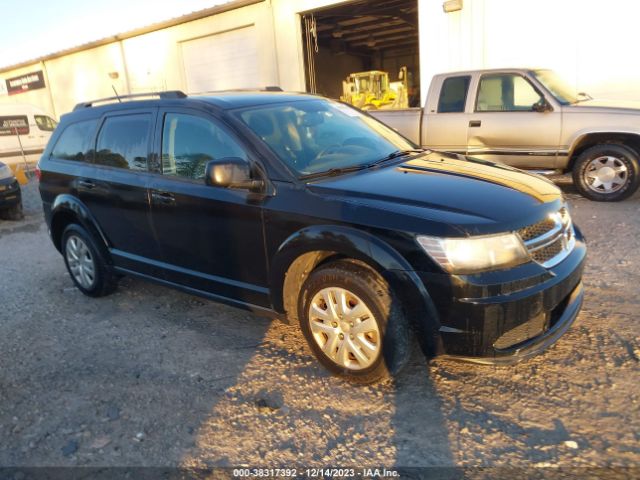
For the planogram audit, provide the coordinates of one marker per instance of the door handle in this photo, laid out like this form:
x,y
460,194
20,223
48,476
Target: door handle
x,y
163,198
475,123
86,184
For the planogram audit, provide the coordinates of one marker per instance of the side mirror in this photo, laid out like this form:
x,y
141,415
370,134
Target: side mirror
x,y
231,172
541,106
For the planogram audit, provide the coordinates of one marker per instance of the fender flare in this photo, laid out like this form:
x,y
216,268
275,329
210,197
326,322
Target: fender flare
x,y
69,205
359,245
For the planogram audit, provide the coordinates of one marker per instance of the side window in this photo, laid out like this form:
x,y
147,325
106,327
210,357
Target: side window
x,y
45,123
506,93
189,142
453,95
14,125
123,142
75,141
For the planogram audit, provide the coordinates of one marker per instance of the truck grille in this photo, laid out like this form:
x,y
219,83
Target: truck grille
x,y
550,240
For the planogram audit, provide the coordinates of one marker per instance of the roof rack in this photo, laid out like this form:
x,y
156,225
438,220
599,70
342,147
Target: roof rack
x,y
269,88
171,94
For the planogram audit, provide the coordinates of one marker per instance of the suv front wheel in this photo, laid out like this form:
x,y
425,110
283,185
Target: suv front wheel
x,y
353,322
607,173
85,263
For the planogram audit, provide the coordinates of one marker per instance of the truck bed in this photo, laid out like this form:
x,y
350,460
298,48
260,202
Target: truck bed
x,y
406,121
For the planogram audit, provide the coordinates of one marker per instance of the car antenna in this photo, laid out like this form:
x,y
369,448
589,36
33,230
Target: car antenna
x,y
117,96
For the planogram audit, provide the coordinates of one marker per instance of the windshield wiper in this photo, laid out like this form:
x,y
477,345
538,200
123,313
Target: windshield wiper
x,y
354,168
333,171
396,154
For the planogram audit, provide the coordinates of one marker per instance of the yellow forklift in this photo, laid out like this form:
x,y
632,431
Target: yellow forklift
x,y
372,90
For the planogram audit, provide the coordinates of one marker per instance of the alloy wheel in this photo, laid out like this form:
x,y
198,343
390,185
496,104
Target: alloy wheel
x,y
606,174
81,262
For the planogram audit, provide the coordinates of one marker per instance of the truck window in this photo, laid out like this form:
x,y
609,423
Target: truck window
x,y
453,95
75,141
44,123
124,142
506,93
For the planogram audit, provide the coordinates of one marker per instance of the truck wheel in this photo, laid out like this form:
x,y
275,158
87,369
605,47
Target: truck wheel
x,y
85,263
353,322
13,213
607,173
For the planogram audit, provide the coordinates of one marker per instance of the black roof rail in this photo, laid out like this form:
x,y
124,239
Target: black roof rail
x,y
273,88
170,94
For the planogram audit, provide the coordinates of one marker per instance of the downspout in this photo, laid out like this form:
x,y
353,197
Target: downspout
x,y
48,85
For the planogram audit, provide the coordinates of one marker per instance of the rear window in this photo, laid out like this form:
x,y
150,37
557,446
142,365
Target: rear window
x,y
45,123
453,95
14,125
123,142
76,141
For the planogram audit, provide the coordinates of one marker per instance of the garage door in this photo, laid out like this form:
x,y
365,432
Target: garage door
x,y
222,61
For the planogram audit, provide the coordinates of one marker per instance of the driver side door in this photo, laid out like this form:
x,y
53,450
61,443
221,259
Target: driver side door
x,y
211,238
503,126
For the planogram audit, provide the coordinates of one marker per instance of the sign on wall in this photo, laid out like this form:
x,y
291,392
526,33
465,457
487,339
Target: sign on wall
x,y
26,82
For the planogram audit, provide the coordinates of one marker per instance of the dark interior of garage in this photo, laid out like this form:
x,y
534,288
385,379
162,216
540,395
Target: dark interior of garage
x,y
376,40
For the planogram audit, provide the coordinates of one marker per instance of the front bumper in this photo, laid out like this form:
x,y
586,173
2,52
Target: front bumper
x,y
9,193
508,316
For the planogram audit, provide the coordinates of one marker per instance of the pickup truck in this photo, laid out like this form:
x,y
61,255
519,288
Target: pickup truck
x,y
530,119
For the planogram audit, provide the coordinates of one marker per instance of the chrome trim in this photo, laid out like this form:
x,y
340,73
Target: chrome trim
x,y
564,253
562,231
545,239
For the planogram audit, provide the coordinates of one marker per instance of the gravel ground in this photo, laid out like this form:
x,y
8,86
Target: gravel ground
x,y
154,377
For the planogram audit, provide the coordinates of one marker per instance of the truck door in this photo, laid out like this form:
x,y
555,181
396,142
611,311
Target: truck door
x,y
511,122
445,122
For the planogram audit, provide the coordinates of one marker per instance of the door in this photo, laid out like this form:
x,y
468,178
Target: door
x,y
445,123
211,238
505,127
114,188
222,61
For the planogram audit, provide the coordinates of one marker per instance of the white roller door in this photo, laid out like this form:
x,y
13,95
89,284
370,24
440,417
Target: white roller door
x,y
222,61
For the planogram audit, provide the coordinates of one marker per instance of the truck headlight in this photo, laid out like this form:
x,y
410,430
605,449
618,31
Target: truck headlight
x,y
474,254
5,172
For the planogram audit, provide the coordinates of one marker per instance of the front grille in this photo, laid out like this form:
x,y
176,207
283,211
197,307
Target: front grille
x,y
550,240
537,229
547,253
523,332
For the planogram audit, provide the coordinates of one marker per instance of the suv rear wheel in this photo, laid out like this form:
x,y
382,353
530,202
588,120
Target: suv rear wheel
x,y
353,322
607,173
85,263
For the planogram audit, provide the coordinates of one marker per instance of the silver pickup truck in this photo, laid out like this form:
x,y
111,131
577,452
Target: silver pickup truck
x,y
529,119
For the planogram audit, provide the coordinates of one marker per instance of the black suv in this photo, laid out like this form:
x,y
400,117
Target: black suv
x,y
10,195
306,209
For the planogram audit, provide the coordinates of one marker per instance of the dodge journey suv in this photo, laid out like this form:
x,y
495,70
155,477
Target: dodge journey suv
x,y
305,209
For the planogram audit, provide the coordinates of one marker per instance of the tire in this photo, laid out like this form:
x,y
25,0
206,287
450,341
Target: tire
x,y
607,173
13,213
377,350
86,262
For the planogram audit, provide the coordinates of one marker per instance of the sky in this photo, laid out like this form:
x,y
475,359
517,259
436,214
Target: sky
x,y
33,28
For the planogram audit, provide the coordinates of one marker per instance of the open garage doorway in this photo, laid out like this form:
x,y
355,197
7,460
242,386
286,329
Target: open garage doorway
x,y
364,52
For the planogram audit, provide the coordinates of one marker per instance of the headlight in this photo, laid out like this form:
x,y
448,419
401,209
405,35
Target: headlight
x,y
473,254
5,172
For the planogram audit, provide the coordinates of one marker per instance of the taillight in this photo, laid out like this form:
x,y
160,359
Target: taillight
x,y
38,173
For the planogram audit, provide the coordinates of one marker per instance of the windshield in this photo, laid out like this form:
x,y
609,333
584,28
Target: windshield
x,y
313,136
561,90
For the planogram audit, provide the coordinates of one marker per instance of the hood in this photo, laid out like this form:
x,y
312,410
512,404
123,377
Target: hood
x,y
615,106
449,188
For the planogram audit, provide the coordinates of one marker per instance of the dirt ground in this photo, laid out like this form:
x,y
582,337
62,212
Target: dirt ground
x,y
153,377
